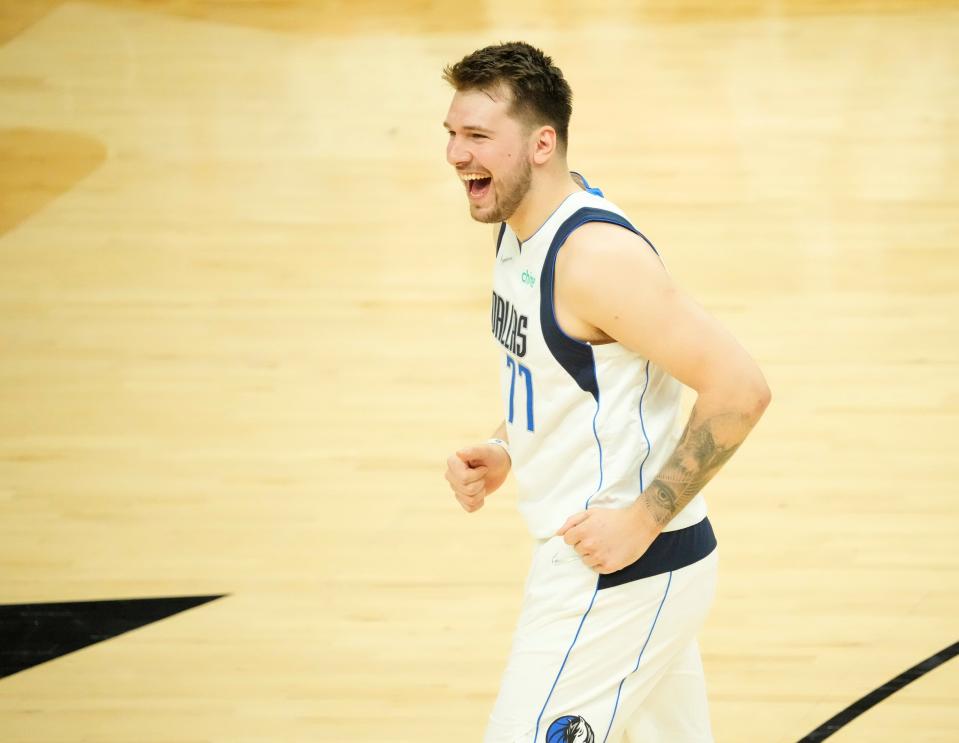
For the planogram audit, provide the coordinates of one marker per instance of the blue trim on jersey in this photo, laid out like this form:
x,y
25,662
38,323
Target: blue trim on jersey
x,y
642,425
671,550
560,672
545,222
499,238
600,445
575,356
643,650
591,189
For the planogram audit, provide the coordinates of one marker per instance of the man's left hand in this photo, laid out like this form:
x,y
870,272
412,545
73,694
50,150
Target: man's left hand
x,y
609,539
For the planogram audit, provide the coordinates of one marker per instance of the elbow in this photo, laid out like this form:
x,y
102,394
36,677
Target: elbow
x,y
759,396
749,395
743,392
765,397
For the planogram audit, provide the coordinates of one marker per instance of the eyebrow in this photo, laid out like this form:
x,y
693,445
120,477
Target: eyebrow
x,y
470,128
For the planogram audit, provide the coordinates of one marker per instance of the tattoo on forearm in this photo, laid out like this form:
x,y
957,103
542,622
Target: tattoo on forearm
x,y
663,496
705,446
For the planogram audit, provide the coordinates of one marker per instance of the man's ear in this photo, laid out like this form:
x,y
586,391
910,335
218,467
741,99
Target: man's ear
x,y
544,144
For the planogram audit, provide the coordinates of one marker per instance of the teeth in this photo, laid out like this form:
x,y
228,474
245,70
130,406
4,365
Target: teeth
x,y
473,177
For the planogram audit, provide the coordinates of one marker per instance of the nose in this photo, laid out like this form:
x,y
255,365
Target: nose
x,y
457,154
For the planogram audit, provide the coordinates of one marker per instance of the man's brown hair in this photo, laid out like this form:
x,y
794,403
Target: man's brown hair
x,y
540,94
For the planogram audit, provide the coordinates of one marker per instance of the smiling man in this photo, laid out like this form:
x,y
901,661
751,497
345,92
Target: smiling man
x,y
597,342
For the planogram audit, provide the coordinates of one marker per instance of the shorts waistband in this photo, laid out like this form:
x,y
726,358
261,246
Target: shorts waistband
x,y
671,550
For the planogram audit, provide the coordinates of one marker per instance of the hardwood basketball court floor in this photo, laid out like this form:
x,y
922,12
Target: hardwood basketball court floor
x,y
243,321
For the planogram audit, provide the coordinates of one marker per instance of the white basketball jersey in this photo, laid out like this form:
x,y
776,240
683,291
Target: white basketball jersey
x,y
589,426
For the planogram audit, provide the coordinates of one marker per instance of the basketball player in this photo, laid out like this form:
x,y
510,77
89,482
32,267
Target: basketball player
x,y
597,342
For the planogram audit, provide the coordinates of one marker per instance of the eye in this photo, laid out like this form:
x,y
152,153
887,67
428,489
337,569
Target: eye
x,y
477,135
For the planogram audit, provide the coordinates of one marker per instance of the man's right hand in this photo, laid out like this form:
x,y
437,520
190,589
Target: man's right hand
x,y
475,472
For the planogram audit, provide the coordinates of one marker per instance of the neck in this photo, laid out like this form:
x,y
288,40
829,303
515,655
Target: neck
x,y
548,191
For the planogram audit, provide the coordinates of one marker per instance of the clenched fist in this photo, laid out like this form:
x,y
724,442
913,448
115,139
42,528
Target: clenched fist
x,y
475,472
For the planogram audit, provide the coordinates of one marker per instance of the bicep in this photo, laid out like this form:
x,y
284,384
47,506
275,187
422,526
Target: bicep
x,y
620,287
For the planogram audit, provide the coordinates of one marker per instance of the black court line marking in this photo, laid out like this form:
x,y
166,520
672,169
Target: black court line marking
x,y
32,634
886,690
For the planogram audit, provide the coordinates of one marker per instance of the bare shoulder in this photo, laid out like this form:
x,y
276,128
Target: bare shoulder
x,y
610,280
599,254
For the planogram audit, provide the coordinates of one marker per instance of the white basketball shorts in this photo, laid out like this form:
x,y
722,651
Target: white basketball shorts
x,y
610,659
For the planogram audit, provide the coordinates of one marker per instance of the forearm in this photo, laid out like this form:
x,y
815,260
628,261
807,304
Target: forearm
x,y
500,432
714,432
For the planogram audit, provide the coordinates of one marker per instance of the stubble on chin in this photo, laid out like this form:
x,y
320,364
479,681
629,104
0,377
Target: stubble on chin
x,y
486,217
513,196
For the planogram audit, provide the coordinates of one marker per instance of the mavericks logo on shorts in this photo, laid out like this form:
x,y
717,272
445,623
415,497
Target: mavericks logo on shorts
x,y
570,729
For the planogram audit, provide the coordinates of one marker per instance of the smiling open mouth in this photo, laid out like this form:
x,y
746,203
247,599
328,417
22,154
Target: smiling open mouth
x,y
477,186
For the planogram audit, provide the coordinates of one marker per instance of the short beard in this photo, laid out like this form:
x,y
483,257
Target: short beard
x,y
513,193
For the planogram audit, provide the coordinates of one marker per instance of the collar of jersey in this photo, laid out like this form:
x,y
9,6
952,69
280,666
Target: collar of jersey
x,y
559,206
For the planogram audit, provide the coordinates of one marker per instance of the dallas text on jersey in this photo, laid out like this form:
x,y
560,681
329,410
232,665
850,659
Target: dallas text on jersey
x,y
508,326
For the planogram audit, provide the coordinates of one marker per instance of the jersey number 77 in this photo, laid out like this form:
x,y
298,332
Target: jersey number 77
x,y
514,367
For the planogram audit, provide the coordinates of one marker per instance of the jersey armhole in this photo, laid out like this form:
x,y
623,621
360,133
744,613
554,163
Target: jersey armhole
x,y
572,354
